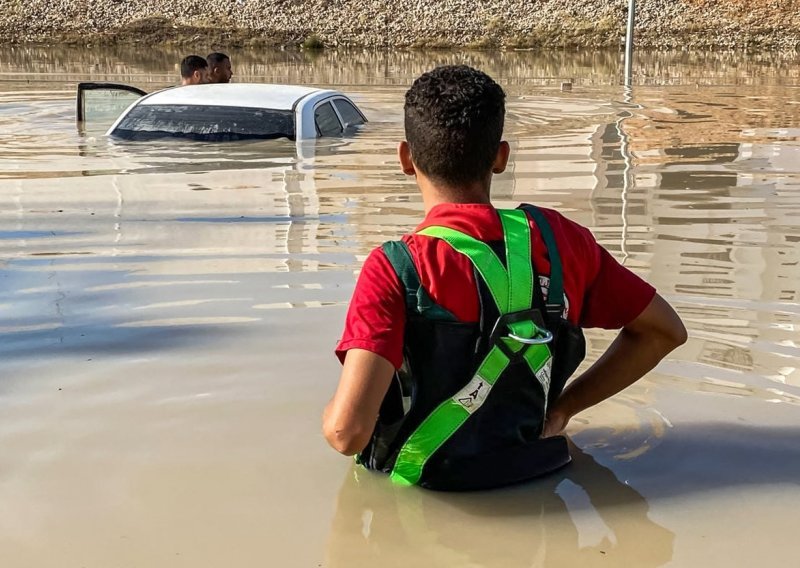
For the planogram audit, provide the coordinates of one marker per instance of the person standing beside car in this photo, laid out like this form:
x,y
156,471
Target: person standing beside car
x,y
219,68
194,70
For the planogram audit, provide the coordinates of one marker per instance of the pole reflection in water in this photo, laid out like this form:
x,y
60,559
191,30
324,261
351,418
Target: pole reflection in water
x,y
628,179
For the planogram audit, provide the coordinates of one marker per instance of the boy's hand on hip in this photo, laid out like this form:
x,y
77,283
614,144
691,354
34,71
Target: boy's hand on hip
x,y
555,423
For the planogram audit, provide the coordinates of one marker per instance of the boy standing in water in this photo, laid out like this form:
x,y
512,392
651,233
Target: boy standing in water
x,y
459,338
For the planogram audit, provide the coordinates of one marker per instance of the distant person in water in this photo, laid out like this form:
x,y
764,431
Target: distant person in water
x,y
219,68
194,70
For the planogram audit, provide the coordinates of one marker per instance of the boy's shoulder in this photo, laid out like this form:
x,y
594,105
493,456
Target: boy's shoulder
x,y
568,233
482,222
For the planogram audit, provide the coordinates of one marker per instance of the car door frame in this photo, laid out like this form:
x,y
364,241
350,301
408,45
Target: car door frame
x,y
83,87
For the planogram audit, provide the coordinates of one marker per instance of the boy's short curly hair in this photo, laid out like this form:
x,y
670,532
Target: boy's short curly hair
x,y
454,123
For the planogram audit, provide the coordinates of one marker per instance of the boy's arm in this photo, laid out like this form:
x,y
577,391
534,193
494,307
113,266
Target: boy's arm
x,y
371,348
349,418
637,349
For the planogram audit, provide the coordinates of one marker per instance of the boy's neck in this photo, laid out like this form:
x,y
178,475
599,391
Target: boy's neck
x,y
434,194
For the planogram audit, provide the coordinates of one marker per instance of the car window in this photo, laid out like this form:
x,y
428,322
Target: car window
x,y
205,122
348,112
100,104
327,122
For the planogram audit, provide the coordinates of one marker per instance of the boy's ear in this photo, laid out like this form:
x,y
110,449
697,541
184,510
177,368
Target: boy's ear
x,y
406,163
501,159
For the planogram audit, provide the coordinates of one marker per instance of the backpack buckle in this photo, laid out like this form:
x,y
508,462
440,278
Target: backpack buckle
x,y
502,330
546,337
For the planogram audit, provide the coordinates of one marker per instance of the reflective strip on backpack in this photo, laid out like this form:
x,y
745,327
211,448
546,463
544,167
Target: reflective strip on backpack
x,y
511,287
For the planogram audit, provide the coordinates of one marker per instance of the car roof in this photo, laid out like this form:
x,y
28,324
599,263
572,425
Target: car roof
x,y
254,95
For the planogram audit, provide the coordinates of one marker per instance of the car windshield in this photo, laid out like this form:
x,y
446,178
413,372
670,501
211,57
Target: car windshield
x,y
205,122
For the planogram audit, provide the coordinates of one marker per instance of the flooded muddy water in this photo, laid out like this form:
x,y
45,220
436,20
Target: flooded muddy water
x,y
168,312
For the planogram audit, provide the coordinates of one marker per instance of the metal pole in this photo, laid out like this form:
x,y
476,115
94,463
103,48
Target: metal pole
x,y
629,43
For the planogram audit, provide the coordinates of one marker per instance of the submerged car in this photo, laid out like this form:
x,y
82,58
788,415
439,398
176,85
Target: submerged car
x,y
220,112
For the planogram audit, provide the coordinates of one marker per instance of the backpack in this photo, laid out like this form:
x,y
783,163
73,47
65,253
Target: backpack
x,y
466,410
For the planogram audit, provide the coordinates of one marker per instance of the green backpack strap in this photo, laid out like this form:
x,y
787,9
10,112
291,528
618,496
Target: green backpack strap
x,y
417,298
555,293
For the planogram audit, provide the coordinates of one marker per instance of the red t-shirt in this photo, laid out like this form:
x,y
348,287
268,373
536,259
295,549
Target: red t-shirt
x,y
599,291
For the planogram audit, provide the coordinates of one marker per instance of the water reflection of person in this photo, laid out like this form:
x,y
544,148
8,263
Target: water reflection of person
x,y
379,524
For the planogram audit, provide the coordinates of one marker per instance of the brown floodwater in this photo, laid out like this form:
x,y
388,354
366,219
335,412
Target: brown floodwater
x,y
168,312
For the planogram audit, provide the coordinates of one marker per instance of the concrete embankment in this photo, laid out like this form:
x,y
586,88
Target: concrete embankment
x,y
698,24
